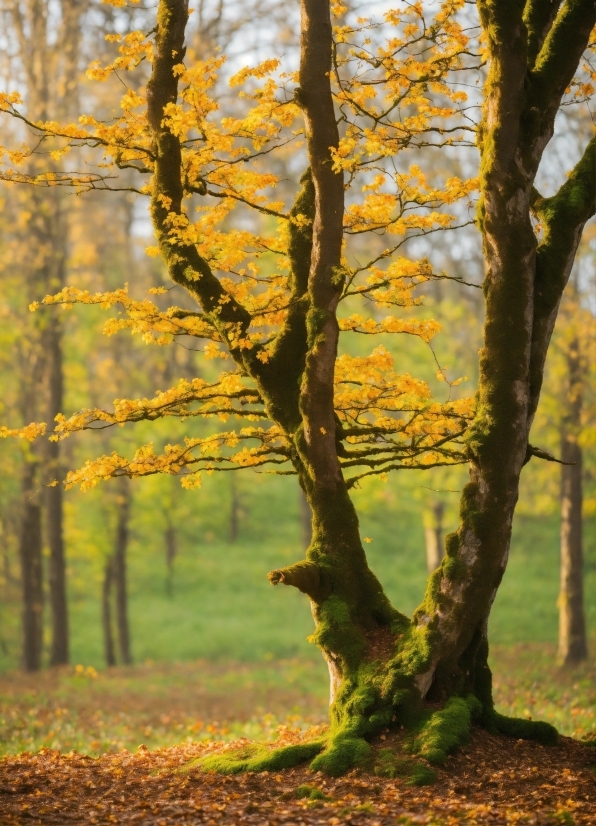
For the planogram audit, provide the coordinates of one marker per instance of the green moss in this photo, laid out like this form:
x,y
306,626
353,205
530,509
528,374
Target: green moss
x,y
306,792
388,764
337,633
446,729
315,320
258,758
526,729
342,754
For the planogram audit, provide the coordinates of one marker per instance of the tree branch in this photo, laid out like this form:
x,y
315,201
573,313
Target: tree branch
x,y
306,576
560,55
325,279
539,16
564,216
186,267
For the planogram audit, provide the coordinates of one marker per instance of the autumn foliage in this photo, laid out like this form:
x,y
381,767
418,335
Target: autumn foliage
x,y
393,97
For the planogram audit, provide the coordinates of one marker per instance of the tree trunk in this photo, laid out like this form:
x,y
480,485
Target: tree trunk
x,y
54,505
120,579
305,519
30,548
573,647
171,543
106,612
433,535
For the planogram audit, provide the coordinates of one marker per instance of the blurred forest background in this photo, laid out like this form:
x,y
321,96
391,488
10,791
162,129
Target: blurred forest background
x,y
165,585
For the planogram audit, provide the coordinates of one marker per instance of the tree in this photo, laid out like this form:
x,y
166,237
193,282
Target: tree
x,y
572,403
48,51
336,419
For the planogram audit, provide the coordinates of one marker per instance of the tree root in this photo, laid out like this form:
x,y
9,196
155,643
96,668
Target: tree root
x,y
258,758
525,729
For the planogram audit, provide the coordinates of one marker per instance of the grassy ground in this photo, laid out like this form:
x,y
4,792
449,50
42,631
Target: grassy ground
x,y
226,655
159,705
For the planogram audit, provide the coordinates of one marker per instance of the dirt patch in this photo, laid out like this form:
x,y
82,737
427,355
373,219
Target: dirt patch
x,y
492,781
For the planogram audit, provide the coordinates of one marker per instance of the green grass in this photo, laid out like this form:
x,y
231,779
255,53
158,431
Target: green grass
x,y
160,705
227,656
223,607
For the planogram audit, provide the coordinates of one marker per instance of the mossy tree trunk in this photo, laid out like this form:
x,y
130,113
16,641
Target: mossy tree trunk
x,y
384,665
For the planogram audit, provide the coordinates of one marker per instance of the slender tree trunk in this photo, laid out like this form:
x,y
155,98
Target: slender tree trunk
x,y
30,548
106,612
54,506
433,535
573,647
171,543
120,578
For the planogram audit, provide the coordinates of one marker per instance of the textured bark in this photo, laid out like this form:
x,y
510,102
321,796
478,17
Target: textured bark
x,y
30,552
573,647
120,571
305,519
524,282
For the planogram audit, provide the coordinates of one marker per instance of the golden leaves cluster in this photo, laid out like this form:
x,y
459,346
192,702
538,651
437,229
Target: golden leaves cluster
x,y
392,94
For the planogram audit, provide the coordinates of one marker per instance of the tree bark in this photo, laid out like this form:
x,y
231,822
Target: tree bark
x,y
120,577
30,552
106,612
305,519
573,647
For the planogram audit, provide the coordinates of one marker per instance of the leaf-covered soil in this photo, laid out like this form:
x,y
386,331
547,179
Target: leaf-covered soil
x,y
494,780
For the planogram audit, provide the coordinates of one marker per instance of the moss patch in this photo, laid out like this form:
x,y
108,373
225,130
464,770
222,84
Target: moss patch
x,y
342,754
258,758
306,792
446,729
388,764
526,729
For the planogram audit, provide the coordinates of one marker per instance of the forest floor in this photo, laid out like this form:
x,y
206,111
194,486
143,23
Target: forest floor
x,y
83,746
492,781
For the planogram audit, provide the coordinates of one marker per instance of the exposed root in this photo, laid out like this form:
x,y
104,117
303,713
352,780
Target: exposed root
x,y
257,757
525,729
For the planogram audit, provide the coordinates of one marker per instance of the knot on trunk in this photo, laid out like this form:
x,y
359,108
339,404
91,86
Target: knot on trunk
x,y
306,576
